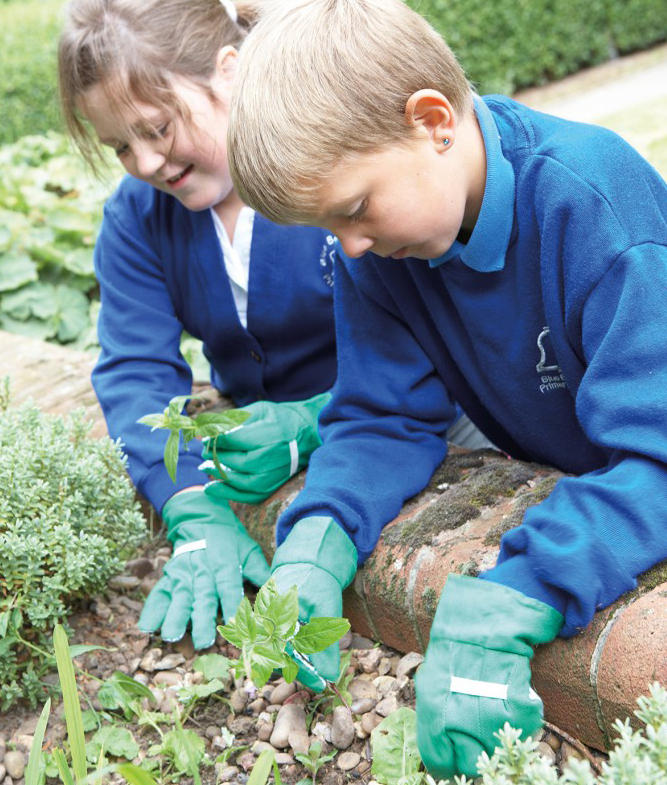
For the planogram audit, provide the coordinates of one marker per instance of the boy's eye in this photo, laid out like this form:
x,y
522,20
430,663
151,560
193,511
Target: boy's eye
x,y
358,213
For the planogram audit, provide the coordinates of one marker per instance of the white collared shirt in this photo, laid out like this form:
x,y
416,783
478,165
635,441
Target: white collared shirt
x,y
237,257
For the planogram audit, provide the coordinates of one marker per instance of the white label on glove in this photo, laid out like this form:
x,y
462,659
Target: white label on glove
x,y
198,545
484,689
294,457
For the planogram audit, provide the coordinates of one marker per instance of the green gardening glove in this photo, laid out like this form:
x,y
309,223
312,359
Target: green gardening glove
x,y
476,674
212,555
320,560
263,453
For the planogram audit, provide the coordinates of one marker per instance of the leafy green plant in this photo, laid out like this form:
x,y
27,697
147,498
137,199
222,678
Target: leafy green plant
x,y
204,425
50,211
314,761
68,522
263,634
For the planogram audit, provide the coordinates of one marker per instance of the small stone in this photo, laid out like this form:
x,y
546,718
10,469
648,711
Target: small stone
x,y
257,706
546,752
322,732
359,732
281,692
387,706
370,721
140,568
168,678
185,646
567,753
348,760
299,741
259,746
345,642
169,703
246,760
124,582
291,718
359,688
385,666
15,764
408,665
211,731
149,659
165,550
342,728
284,759
359,642
552,740
264,731
238,700
159,563
169,662
139,643
3,748
369,660
102,610
3,771
227,774
363,705
385,685
24,741
239,725
147,585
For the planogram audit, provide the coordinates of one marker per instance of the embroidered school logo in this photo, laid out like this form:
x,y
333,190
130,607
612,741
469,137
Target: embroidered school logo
x,y
551,376
327,256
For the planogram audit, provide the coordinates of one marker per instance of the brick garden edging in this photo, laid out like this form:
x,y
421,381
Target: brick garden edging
x,y
454,525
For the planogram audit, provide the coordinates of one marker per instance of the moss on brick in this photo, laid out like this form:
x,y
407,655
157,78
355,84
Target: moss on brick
x,y
429,601
524,501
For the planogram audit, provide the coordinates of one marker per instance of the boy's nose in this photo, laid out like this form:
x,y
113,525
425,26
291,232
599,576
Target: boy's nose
x,y
355,245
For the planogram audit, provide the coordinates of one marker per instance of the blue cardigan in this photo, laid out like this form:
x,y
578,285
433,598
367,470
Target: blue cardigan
x,y
550,329
161,270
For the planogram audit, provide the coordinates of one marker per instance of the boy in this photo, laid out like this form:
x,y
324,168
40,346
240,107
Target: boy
x,y
491,254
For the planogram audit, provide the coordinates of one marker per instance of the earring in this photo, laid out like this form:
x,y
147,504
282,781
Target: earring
x,y
445,141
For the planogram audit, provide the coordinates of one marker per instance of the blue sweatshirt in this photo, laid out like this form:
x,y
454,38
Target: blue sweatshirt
x,y
161,270
549,327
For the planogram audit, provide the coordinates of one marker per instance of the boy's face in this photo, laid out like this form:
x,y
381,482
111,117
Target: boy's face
x,y
407,199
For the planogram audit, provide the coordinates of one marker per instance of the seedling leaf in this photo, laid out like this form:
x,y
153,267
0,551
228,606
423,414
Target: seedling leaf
x,y
394,745
77,741
35,762
319,633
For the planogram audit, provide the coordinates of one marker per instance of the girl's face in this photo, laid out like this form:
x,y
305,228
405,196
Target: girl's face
x,y
186,160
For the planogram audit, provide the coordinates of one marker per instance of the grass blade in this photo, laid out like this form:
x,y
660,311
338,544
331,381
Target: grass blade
x,y
32,774
262,768
77,741
134,775
63,768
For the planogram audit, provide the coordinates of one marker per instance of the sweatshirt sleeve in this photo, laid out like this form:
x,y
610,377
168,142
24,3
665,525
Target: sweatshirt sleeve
x,y
140,366
585,545
384,429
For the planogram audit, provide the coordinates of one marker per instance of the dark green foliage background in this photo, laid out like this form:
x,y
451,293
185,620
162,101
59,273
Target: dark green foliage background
x,y
505,45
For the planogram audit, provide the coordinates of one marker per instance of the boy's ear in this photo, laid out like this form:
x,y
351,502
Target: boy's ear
x,y
226,62
428,111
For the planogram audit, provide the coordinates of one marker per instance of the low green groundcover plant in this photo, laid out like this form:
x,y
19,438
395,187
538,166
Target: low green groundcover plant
x,y
68,521
638,757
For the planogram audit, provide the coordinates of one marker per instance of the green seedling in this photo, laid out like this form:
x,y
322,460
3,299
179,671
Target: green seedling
x,y
205,425
313,761
264,634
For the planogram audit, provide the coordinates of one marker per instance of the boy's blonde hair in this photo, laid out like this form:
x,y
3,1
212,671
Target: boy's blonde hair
x,y
135,48
319,80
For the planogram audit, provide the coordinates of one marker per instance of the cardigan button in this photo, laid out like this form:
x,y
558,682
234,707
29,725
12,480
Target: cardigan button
x,y
256,357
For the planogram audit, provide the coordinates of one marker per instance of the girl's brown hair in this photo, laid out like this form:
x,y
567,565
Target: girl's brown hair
x,y
135,48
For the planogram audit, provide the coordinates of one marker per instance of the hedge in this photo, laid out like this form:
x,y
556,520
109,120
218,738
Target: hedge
x,y
29,32
505,45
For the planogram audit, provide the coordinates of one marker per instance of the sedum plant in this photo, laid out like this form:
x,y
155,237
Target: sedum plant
x,y
68,521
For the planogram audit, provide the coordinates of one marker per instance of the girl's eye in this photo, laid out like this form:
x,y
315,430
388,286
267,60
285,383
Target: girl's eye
x,y
121,149
159,132
359,212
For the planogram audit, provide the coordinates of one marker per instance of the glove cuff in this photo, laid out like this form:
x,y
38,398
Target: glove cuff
x,y
494,616
195,507
319,541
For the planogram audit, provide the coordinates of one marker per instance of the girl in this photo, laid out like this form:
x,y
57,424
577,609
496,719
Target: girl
x,y
178,250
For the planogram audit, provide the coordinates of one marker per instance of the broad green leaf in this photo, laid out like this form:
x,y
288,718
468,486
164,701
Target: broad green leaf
x,y
171,454
33,774
186,694
16,269
282,610
153,420
230,633
115,741
119,690
290,670
79,261
82,648
77,741
31,328
5,238
135,775
319,633
177,403
245,623
394,745
262,768
71,314
4,622
212,666
36,299
185,748
70,222
264,661
89,720
224,421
